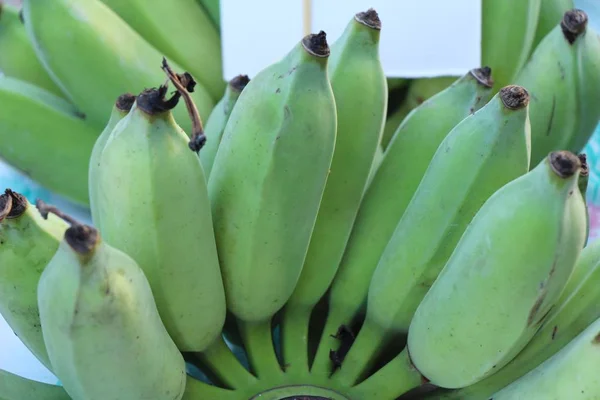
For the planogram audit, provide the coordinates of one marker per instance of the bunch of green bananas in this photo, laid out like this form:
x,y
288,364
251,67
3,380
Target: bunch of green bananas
x,y
278,250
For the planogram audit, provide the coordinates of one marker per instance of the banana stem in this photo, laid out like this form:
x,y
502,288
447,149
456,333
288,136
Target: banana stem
x,y
258,341
197,390
394,379
369,343
295,340
223,363
322,364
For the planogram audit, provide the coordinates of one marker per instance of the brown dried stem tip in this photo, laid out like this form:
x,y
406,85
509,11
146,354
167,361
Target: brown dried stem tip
x,y
12,205
316,44
125,102
239,82
514,97
185,84
573,24
82,238
585,168
483,76
564,163
369,18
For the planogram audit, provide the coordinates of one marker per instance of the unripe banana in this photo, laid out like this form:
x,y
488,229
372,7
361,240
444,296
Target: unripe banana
x,y
508,29
95,57
480,155
212,7
504,276
360,90
27,243
153,205
196,47
565,98
32,121
15,387
573,312
215,125
103,333
551,13
570,374
391,188
419,91
266,186
120,110
17,57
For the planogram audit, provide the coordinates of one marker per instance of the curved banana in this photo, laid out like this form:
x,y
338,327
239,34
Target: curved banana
x,y
570,374
104,336
480,155
95,57
17,57
28,243
573,312
197,47
565,98
508,29
360,90
419,91
212,7
120,110
215,125
46,138
15,387
551,13
389,192
153,205
266,186
495,291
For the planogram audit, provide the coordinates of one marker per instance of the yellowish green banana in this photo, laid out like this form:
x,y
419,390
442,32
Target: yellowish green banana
x,y
480,155
15,387
95,57
212,7
120,110
508,30
46,138
17,57
27,243
404,163
571,374
551,13
104,336
266,186
562,78
360,90
215,125
496,290
183,32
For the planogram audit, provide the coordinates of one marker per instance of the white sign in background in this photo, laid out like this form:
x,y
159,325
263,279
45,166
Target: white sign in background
x,y
418,38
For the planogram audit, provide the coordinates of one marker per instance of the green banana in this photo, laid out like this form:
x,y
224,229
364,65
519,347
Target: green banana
x,y
197,48
95,56
570,374
215,125
120,110
104,336
480,155
508,29
419,91
27,243
565,98
17,57
574,311
15,387
266,186
32,121
389,192
354,68
551,13
150,179
212,7
497,288
584,176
